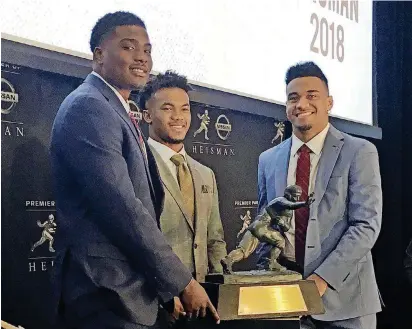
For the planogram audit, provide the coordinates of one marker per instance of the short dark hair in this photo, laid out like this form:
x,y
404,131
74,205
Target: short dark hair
x,y
108,23
169,79
305,69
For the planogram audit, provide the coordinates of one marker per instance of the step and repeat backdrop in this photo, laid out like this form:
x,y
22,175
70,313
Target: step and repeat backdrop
x,y
228,141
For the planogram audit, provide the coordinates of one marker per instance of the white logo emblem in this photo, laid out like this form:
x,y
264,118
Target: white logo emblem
x,y
246,219
223,127
280,132
135,111
49,228
203,125
9,97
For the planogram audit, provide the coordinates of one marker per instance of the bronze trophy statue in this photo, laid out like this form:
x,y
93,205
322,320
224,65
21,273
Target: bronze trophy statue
x,y
274,292
269,227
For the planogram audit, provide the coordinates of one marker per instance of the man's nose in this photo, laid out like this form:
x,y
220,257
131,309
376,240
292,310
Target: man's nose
x,y
140,55
302,103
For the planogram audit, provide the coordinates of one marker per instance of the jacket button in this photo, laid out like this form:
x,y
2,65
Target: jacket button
x,y
195,245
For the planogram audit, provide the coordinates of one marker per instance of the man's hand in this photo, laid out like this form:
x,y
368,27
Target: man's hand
x,y
320,283
178,309
195,301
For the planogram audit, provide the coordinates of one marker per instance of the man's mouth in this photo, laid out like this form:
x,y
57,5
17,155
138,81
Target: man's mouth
x,y
139,71
177,127
303,114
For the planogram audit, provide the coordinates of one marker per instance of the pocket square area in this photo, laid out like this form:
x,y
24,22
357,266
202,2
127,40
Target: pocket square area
x,y
206,189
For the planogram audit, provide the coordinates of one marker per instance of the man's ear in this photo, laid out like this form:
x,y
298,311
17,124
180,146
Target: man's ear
x,y
147,117
98,55
330,103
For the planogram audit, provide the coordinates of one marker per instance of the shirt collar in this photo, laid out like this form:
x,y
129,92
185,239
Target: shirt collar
x,y
164,151
315,144
122,100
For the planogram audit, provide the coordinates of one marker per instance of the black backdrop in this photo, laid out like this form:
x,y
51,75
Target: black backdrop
x,y
235,141
393,53
27,195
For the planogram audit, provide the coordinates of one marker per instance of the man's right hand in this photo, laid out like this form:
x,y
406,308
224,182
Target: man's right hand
x,y
195,301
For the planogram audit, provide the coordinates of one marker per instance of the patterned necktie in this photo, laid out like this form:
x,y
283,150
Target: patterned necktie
x,y
139,133
302,214
184,178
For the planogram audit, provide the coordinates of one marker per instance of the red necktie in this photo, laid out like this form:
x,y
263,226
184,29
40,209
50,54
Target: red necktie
x,y
139,132
302,214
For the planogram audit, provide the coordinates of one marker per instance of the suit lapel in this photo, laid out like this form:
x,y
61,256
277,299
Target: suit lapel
x,y
171,185
196,177
156,183
114,101
281,170
330,153
116,104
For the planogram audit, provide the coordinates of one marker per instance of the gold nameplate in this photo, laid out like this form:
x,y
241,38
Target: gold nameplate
x,y
271,299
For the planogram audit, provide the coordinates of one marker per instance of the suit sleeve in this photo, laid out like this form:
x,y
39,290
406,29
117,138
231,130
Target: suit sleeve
x,y
263,202
216,245
261,249
364,211
90,142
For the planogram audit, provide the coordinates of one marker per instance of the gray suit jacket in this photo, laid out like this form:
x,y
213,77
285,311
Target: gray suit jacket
x,y
112,257
344,221
200,246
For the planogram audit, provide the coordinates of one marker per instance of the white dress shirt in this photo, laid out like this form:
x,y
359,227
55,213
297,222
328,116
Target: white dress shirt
x,y
122,100
316,146
166,153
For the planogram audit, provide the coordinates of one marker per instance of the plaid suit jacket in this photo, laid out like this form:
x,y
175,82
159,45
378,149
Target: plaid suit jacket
x,y
201,245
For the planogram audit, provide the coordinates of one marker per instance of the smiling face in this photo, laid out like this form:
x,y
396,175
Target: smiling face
x,y
124,58
307,107
169,117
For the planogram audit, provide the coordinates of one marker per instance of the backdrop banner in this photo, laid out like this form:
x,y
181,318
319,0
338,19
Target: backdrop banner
x,y
225,140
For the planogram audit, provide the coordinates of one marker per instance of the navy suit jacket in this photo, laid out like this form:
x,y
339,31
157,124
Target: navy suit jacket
x,y
112,258
344,221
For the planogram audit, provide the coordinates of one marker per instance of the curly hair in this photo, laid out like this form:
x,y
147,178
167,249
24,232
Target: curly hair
x,y
169,79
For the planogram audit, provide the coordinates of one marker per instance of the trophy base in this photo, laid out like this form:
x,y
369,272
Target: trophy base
x,y
263,295
281,323
257,276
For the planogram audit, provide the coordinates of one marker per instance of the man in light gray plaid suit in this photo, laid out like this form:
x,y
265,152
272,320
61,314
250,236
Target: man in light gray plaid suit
x,y
190,219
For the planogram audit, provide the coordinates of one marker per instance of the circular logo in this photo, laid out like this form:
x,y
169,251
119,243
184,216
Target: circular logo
x,y
134,109
9,97
223,127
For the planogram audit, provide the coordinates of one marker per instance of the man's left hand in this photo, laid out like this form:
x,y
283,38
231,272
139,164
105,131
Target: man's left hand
x,y
320,283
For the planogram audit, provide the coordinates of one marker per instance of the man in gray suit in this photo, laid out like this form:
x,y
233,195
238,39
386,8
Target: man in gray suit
x,y
331,243
112,259
190,219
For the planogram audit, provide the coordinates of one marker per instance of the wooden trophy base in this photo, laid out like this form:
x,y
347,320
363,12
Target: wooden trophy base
x,y
263,295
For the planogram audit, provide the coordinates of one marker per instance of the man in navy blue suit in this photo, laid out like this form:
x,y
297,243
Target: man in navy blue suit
x,y
112,258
